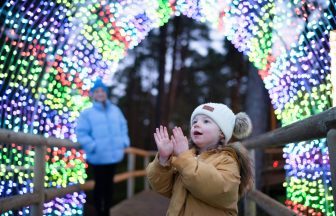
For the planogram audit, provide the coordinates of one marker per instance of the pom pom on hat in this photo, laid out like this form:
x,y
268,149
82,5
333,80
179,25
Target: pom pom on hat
x,y
98,84
230,124
243,126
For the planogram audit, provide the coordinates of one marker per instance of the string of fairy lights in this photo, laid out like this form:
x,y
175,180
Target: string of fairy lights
x,y
51,51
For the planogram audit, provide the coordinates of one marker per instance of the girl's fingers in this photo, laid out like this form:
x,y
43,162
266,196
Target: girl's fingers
x,y
180,131
175,132
159,132
157,140
166,132
173,140
162,131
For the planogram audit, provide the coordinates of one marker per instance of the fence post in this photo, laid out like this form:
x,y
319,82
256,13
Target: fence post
x,y
250,205
146,162
130,168
39,173
331,142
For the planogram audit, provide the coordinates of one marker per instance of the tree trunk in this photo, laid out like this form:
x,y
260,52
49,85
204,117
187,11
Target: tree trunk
x,y
239,66
175,70
161,85
131,108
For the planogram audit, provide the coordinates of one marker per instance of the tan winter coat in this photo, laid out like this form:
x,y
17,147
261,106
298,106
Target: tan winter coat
x,y
198,186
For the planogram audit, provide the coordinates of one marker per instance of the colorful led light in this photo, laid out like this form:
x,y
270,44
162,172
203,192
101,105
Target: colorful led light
x,y
51,51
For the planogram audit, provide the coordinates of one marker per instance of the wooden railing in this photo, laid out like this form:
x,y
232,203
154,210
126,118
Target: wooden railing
x,y
131,172
318,126
40,194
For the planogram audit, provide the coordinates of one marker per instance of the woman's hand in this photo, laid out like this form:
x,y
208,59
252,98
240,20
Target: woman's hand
x,y
180,142
164,144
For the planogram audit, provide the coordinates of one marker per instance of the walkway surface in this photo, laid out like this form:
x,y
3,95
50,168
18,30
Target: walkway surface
x,y
145,203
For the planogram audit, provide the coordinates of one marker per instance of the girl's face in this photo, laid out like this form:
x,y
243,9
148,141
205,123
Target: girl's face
x,y
204,132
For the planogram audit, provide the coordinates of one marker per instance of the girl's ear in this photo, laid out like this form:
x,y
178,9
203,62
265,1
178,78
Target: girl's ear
x,y
222,138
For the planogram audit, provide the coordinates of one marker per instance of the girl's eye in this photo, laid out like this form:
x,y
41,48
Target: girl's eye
x,y
206,121
194,122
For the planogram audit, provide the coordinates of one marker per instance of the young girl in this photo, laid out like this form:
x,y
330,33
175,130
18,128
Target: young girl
x,y
209,177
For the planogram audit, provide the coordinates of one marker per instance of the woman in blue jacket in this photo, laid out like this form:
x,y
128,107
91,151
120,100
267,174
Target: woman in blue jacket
x,y
103,134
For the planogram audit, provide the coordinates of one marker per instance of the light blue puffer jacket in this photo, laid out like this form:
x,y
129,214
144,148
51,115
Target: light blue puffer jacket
x,y
103,133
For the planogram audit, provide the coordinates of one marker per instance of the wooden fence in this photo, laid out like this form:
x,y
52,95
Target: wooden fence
x,y
40,194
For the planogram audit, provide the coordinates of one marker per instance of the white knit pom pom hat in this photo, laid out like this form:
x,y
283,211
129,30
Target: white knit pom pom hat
x,y
230,124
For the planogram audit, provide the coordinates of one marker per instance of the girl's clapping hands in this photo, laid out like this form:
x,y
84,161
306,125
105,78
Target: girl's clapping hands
x,y
180,142
163,143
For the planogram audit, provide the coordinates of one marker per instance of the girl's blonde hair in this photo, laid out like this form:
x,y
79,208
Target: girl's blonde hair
x,y
245,167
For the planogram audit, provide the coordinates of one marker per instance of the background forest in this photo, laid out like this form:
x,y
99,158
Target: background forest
x,y
177,67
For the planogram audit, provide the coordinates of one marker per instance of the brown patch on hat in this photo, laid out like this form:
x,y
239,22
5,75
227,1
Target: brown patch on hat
x,y
209,108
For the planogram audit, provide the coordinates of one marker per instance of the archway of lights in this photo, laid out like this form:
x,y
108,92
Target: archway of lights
x,y
50,51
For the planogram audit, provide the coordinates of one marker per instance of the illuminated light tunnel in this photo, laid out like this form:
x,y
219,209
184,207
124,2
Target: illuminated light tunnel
x,y
51,51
